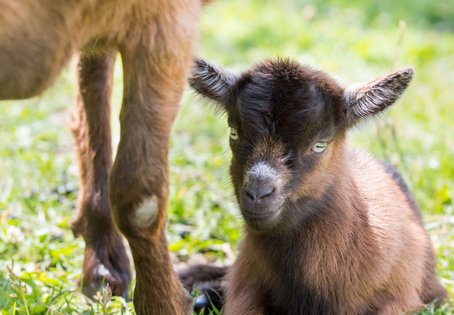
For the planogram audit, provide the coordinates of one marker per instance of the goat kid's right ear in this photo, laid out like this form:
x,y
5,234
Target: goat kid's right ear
x,y
367,99
211,81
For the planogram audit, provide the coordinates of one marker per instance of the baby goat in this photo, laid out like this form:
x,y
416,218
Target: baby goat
x,y
329,230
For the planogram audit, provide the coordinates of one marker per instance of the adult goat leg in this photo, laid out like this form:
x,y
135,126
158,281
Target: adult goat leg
x,y
105,259
139,192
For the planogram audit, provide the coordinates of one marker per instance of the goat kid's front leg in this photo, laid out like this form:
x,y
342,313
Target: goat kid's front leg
x,y
105,259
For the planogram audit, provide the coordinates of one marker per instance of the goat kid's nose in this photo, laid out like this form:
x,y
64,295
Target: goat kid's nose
x,y
258,192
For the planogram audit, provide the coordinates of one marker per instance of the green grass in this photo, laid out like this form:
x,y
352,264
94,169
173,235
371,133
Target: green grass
x,y
354,40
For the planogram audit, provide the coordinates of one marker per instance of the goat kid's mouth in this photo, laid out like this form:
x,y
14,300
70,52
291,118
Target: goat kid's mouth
x,y
260,214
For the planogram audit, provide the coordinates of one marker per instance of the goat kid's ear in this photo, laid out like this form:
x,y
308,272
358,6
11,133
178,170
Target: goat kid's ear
x,y
211,81
367,99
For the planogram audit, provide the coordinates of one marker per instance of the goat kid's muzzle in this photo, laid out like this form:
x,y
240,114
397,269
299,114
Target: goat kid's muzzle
x,y
261,192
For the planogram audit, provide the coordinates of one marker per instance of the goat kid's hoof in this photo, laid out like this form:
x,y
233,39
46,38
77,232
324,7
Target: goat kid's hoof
x,y
207,303
210,299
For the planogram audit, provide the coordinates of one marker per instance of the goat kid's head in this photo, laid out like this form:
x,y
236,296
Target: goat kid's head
x,y
287,128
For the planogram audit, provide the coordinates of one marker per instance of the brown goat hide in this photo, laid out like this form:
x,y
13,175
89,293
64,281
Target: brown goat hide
x,y
328,229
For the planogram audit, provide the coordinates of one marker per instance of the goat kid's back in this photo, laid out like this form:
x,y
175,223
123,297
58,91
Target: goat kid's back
x,y
328,230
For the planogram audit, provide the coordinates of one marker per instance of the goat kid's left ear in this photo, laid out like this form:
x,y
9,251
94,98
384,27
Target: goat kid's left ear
x,y
367,99
211,81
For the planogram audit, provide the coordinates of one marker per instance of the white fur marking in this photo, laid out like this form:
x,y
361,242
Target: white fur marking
x,y
263,171
146,214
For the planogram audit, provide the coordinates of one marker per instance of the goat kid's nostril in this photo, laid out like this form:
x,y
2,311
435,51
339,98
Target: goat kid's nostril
x,y
259,192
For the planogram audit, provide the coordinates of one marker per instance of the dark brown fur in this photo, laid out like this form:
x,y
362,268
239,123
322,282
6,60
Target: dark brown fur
x,y
331,232
208,283
155,40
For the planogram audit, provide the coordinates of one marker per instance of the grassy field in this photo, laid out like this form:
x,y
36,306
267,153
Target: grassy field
x,y
40,260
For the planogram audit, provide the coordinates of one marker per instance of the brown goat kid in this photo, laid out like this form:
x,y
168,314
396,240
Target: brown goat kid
x,y
329,230
155,40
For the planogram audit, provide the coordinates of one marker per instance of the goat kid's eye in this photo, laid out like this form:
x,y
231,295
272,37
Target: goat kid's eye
x,y
233,134
319,147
